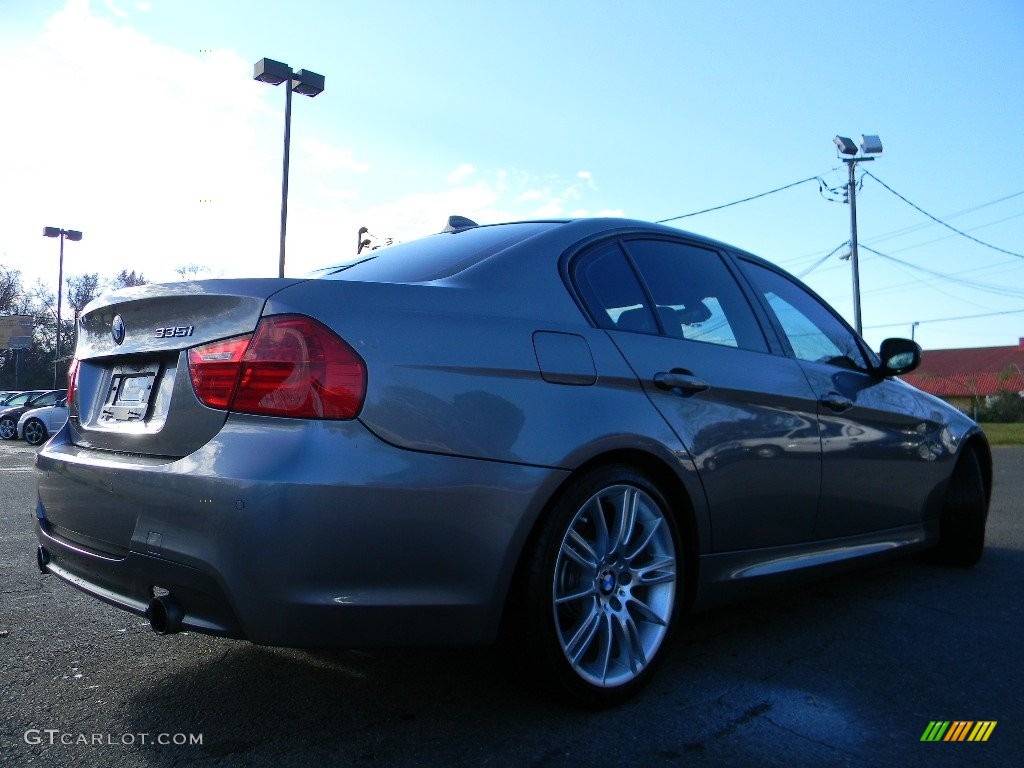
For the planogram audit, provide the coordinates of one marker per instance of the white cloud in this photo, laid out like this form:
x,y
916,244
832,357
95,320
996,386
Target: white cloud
x,y
324,157
123,146
461,173
588,177
114,9
531,194
158,172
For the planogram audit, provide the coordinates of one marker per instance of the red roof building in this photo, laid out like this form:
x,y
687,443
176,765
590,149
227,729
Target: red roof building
x,y
967,378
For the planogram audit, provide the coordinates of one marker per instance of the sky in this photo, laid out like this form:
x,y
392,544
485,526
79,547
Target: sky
x,y
139,123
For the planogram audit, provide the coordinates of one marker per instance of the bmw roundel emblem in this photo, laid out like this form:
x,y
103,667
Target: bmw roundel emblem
x,y
117,329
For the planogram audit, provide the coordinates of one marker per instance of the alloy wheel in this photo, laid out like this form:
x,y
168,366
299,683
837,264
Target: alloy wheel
x,y
614,585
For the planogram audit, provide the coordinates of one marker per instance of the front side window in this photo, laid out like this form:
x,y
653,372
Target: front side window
x,y
48,399
814,333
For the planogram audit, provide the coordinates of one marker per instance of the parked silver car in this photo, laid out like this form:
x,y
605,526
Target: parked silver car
x,y
37,424
12,410
574,431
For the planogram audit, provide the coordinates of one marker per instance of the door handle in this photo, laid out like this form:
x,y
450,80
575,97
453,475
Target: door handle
x,y
679,379
836,402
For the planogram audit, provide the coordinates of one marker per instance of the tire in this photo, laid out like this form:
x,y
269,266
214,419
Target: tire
x,y
964,514
34,432
8,428
600,588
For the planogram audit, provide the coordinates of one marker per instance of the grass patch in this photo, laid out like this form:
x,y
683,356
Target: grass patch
x,y
1004,434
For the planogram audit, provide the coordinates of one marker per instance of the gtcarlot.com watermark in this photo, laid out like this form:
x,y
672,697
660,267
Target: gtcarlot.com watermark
x,y
57,737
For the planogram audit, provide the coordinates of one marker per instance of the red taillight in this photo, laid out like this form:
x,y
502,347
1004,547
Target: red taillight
x,y
291,366
72,380
214,370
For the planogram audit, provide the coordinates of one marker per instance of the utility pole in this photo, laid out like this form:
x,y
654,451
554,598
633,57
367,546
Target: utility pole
x,y
854,261
869,145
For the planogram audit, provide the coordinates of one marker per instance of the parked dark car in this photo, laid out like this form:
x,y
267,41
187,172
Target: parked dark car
x,y
21,396
9,395
12,410
574,431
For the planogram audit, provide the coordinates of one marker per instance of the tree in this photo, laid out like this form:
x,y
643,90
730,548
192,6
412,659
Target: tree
x,y
33,368
1006,407
191,271
126,279
10,292
82,290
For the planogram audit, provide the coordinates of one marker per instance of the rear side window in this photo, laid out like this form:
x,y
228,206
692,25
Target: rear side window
x,y
695,295
611,291
437,256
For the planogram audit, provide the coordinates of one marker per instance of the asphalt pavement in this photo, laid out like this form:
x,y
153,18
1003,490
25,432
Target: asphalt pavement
x,y
849,671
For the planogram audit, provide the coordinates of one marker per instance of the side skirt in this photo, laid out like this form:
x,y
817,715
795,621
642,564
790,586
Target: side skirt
x,y
731,576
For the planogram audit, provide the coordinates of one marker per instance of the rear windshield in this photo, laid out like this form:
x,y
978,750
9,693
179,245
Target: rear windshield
x,y
437,256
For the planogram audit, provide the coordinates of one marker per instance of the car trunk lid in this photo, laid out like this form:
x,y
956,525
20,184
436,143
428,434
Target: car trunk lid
x,y
133,391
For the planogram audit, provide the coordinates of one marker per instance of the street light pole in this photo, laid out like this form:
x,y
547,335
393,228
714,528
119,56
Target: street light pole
x,y
284,176
301,81
854,261
869,145
74,235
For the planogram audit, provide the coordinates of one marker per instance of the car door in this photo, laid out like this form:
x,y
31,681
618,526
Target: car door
x,y
746,415
56,416
879,445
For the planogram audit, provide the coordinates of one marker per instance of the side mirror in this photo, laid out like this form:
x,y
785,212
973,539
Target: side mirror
x,y
899,356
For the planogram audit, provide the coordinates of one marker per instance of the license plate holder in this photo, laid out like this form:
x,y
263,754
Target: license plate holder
x,y
130,392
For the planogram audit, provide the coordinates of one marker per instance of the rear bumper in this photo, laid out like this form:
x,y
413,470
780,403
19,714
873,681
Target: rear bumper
x,y
128,583
305,534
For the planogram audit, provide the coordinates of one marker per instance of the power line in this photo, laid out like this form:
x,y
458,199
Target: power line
x,y
949,319
744,200
954,215
892,287
947,237
915,227
997,289
958,296
823,259
940,221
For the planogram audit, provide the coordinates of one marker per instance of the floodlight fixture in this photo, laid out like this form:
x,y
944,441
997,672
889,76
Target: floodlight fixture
x,y
270,71
870,145
845,145
307,83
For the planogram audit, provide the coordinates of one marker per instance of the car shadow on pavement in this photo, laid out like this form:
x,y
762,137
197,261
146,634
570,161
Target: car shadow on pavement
x,y
849,668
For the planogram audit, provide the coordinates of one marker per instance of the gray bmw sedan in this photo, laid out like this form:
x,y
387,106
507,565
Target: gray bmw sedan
x,y
572,432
